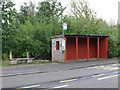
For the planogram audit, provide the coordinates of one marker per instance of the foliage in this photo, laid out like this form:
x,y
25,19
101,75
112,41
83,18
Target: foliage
x,y
36,38
10,26
27,12
5,56
49,9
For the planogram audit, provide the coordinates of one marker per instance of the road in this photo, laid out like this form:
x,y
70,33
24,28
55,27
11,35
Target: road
x,y
103,76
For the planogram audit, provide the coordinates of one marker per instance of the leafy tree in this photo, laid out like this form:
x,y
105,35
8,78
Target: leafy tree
x,y
10,26
31,9
27,12
84,21
23,13
49,9
8,15
35,38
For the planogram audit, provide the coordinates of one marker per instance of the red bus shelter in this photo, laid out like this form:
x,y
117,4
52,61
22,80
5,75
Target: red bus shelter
x,y
80,47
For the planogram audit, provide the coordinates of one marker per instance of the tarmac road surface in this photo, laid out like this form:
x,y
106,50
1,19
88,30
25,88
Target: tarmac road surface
x,y
99,76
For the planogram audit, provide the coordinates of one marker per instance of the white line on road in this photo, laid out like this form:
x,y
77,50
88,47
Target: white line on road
x,y
61,86
107,77
10,74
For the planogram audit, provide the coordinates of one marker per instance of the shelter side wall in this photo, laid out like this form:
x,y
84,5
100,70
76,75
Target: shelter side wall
x,y
56,54
71,48
103,48
93,48
82,48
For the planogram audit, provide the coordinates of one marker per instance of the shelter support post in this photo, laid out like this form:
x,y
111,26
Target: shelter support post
x,y
106,47
97,47
87,48
76,48
65,53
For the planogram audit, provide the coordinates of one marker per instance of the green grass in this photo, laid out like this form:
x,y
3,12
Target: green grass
x,y
5,63
0,62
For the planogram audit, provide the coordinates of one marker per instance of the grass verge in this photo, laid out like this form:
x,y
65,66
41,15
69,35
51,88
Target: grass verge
x,y
7,62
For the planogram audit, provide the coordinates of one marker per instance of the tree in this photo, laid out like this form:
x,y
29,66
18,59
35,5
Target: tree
x,y
27,12
84,21
10,26
9,18
49,9
31,9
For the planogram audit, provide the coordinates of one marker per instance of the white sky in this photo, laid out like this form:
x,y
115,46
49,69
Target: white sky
x,y
105,9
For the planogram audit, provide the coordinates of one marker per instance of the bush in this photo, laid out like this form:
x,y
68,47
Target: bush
x,y
5,56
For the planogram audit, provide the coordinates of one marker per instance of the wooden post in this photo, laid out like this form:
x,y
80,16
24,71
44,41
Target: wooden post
x,y
10,55
27,55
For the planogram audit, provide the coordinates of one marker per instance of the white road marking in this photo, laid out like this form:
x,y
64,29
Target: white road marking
x,y
11,74
107,77
61,86
93,67
114,64
111,67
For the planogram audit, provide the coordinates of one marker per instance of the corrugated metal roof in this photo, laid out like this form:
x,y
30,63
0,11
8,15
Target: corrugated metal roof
x,y
78,35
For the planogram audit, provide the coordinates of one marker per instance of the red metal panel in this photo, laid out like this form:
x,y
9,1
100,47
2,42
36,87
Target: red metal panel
x,y
102,43
88,48
82,48
104,47
97,47
76,48
93,48
71,48
65,53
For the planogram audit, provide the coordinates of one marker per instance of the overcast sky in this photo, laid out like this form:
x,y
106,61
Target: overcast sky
x,y
106,9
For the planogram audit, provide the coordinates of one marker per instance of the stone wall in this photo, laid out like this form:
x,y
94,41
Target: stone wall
x,y
56,54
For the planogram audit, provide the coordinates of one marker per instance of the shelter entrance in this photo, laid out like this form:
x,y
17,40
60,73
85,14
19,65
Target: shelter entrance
x,y
86,47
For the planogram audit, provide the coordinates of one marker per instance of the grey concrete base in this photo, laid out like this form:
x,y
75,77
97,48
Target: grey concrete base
x,y
13,62
83,60
29,61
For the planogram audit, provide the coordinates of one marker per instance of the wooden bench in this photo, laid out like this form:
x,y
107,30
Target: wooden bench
x,y
14,60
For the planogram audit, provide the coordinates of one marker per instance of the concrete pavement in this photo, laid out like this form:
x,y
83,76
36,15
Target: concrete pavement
x,y
45,68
